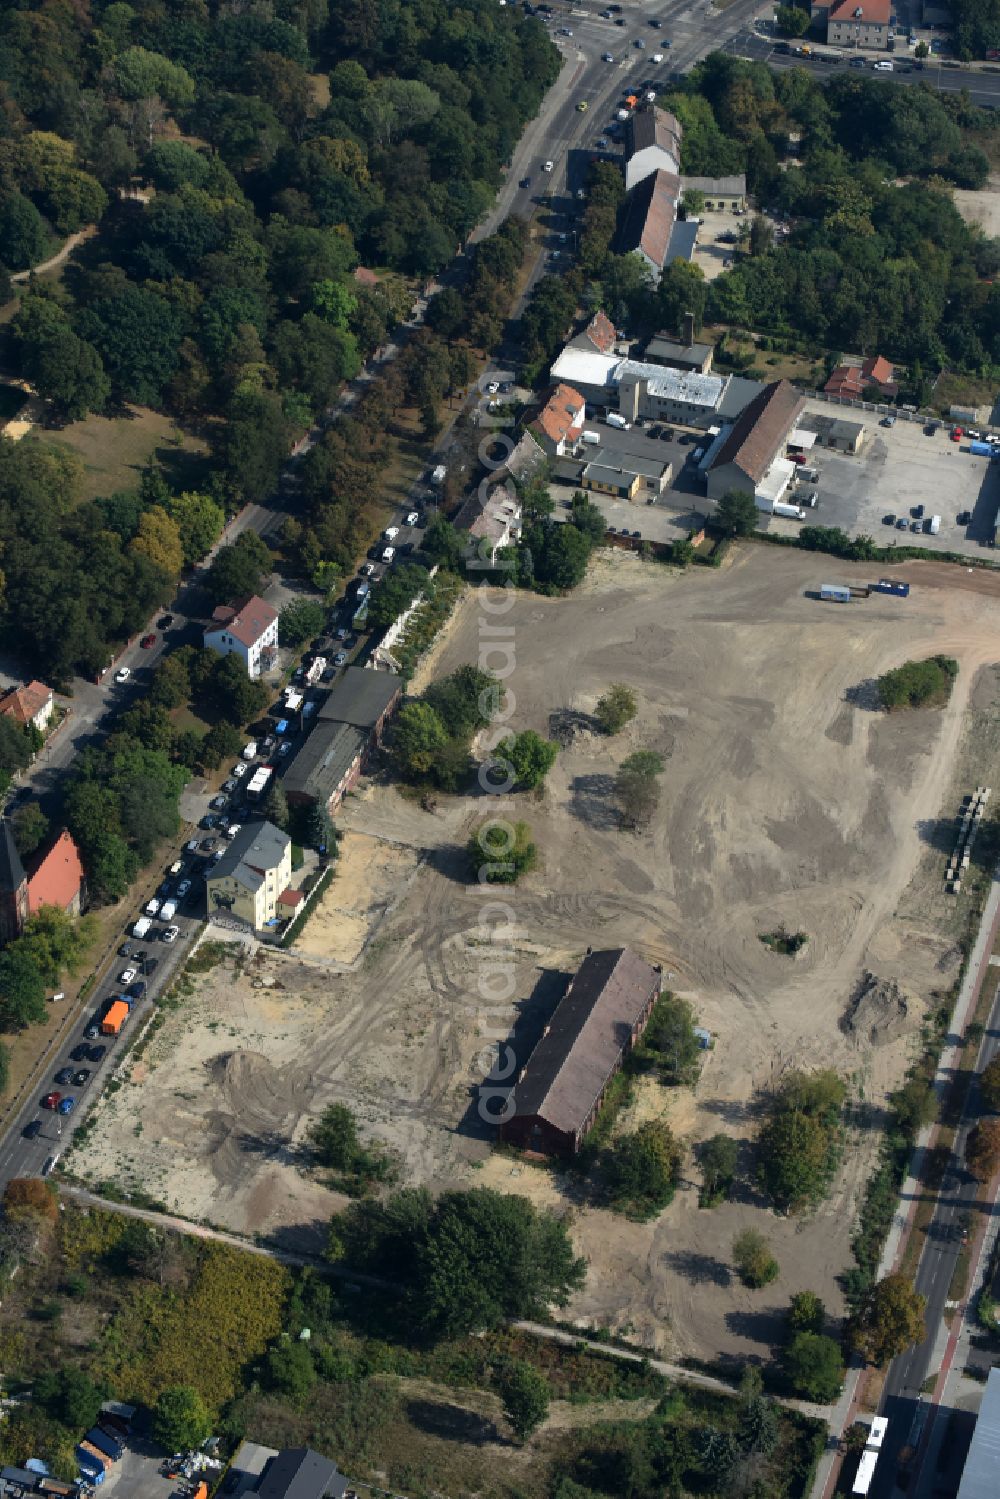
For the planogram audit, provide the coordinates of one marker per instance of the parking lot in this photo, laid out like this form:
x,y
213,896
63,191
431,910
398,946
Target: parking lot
x,y
898,469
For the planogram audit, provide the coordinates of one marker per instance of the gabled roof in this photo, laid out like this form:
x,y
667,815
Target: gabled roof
x,y
300,1473
651,216
246,620
257,847
579,1050
760,430
12,875
323,760
878,370
24,703
654,127
361,697
58,878
562,414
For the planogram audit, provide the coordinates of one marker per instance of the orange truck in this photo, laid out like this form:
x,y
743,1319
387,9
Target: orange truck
x,y
201,1492
116,1017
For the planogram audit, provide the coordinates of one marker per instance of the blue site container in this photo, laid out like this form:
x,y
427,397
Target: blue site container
x,y
982,449
104,1443
886,585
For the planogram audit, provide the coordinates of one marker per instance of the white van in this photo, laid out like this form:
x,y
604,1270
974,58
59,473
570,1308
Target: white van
x,y
615,419
250,750
883,67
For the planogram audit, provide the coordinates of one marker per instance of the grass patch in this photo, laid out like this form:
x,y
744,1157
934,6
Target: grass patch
x,y
954,389
114,450
787,943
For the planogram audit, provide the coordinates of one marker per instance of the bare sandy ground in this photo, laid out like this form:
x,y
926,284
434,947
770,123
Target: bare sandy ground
x,y
981,206
785,800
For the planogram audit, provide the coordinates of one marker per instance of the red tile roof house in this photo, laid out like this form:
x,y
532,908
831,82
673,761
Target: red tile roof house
x,y
853,380
558,425
58,879
248,629
32,703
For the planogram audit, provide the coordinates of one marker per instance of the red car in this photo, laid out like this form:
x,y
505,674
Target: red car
x,y
956,434
147,641
51,1100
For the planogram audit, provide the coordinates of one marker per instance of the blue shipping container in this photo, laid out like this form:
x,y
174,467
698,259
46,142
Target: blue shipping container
x,y
886,585
104,1443
89,1465
981,449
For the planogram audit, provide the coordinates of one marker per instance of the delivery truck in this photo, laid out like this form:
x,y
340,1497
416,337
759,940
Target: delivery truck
x,y
168,910
258,781
141,927
152,907
593,438
934,525
250,750
114,1020
315,671
615,419
791,512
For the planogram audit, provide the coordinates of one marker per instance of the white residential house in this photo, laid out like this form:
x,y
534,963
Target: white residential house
x,y
492,524
248,629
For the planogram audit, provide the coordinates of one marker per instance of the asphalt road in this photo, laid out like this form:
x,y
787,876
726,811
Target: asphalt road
x,y
902,1403
984,88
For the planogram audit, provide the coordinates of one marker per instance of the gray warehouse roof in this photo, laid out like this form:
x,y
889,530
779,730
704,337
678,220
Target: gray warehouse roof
x,y
682,241
689,386
591,1027
982,1466
257,845
671,351
301,1473
361,696
738,394
323,760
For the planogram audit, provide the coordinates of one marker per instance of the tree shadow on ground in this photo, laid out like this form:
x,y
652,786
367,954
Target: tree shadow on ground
x,y
864,696
592,802
487,1094
768,1327
452,1423
699,1269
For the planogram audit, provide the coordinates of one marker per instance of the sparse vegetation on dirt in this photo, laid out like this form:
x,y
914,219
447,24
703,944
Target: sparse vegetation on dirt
x,y
787,943
918,684
755,1264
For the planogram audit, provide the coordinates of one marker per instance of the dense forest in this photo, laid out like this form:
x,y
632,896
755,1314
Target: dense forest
x,y
877,257
240,164
975,27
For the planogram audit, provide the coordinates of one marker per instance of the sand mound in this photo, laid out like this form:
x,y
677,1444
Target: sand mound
x,y
879,1013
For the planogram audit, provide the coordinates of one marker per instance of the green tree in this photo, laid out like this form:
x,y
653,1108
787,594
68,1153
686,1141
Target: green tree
x,y
800,1144
530,757
199,519
22,990
334,1138
806,1313
815,1367
989,1086
918,684
442,543
643,1169
15,747
275,806
616,708
465,701
418,738
670,1040
890,1320
239,569
23,233
290,1371
300,620
181,1419
791,21
736,513
637,789
241,698
4,1067
30,827
525,1395
159,539
222,741
913,1106
68,1395
56,941
319,830
501,852
717,1157
693,203
755,1264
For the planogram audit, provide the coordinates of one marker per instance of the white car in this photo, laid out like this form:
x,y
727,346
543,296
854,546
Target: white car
x,y
388,554
233,829
413,518
123,673
548,166
657,56
651,96
191,846
606,57
240,769
127,975
493,387
171,934
390,533
367,568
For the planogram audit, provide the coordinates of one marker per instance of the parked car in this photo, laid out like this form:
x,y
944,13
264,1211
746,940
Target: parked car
x,y
230,786
79,1078
888,421
164,622
963,517
548,166
388,553
64,1075
183,888
125,951
93,1030
66,1105
889,520
902,523
171,934
340,659
147,642
390,533
413,518
917,511
285,749
343,633
51,1100
32,1130
79,1053
127,975
240,769
123,674
97,1053
191,846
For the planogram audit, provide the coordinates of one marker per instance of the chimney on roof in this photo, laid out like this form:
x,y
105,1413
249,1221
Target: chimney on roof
x,y
687,330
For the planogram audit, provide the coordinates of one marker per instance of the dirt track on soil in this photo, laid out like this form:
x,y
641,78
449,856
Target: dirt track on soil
x,y
786,800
